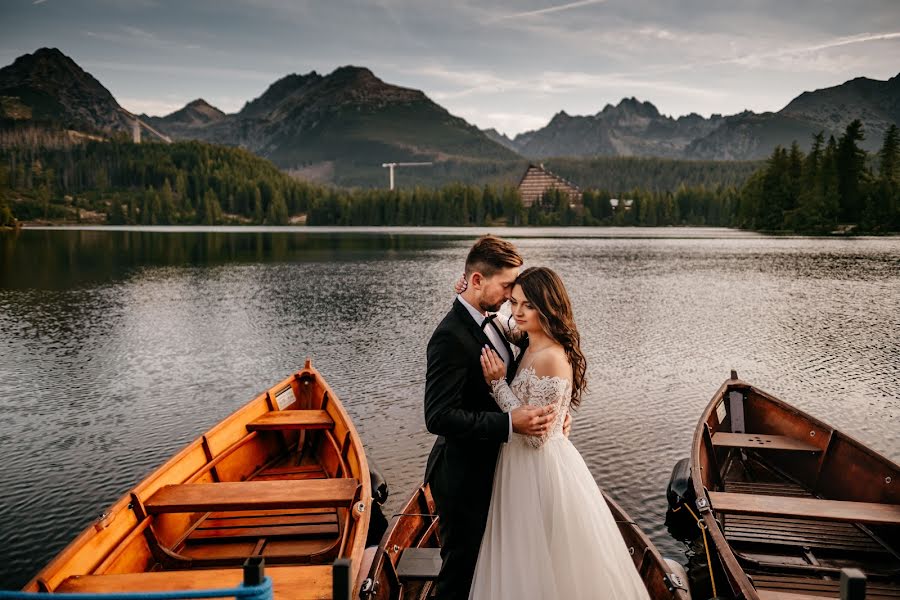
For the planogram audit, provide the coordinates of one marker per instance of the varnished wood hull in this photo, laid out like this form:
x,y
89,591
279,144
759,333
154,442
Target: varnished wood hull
x,y
284,477
791,499
417,527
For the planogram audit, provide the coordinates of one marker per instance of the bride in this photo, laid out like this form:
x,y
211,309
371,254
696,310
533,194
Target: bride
x,y
549,531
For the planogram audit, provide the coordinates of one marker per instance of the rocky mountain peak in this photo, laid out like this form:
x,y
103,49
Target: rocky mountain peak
x,y
278,92
50,70
635,106
55,89
356,75
199,104
197,112
559,118
360,87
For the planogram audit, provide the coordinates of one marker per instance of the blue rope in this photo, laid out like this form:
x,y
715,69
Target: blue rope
x,y
263,591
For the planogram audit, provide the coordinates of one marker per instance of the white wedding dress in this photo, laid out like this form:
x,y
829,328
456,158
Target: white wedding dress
x,y
549,531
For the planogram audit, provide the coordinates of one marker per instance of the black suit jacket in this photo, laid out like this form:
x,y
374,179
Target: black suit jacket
x,y
459,408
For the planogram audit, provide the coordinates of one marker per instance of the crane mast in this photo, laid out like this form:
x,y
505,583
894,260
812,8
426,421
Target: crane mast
x,y
392,165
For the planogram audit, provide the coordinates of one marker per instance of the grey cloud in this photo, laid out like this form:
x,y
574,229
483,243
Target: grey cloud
x,y
495,61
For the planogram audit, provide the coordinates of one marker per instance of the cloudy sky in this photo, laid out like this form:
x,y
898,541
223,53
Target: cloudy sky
x,y
497,63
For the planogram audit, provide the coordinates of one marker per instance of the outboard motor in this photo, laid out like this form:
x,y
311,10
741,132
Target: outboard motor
x,y
378,523
379,484
680,493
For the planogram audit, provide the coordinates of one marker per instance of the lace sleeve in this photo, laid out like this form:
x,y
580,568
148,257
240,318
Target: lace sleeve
x,y
545,391
504,396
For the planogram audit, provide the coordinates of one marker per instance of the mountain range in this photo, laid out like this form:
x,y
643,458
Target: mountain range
x,y
349,117
341,126
634,128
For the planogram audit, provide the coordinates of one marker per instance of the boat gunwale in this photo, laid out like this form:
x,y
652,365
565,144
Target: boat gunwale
x,y
53,573
620,514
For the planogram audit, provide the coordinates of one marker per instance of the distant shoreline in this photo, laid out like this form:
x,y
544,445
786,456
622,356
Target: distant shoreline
x,y
606,231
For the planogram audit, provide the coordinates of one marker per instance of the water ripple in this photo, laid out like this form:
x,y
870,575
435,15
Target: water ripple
x,y
143,340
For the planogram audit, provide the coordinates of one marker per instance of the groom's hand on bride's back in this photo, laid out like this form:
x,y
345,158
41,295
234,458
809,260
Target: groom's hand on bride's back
x,y
532,420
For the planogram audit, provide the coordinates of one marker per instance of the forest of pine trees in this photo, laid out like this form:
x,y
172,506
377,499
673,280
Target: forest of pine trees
x,y
150,184
835,186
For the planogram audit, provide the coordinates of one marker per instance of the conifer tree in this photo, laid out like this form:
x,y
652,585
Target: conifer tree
x,y
830,182
257,206
886,195
851,170
116,215
810,201
209,211
278,211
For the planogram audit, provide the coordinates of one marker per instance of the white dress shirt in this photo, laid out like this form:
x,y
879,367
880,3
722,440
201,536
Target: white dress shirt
x,y
494,337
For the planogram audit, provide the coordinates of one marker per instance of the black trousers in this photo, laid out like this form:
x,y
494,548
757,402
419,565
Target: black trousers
x,y
462,521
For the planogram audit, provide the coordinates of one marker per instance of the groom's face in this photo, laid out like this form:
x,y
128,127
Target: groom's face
x,y
495,290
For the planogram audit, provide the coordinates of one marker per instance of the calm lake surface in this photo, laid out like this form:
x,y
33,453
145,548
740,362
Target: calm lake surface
x,y
118,347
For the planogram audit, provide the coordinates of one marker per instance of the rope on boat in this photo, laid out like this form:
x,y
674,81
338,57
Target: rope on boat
x,y
702,527
261,591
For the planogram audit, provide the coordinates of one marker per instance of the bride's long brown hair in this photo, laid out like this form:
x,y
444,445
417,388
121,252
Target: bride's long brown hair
x,y
545,291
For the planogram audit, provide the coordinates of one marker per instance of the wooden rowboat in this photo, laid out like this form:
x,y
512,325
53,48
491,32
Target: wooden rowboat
x,y
284,477
408,559
789,501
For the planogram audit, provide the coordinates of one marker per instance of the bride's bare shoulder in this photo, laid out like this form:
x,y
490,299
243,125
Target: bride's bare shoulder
x,y
552,362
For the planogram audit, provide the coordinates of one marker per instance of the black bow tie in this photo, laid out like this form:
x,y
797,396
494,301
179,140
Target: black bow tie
x,y
488,319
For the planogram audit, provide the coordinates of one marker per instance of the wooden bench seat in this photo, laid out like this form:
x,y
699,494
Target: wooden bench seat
x,y
799,533
298,472
789,587
758,441
806,508
292,419
252,495
419,563
767,488
289,583
783,595
254,527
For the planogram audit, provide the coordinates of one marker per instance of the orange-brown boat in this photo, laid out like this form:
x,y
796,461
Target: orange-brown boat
x,y
285,478
408,559
789,501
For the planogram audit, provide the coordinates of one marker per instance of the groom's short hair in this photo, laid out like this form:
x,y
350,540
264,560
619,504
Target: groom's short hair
x,y
491,254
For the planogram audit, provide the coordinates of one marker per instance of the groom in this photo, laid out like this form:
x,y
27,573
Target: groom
x,y
459,409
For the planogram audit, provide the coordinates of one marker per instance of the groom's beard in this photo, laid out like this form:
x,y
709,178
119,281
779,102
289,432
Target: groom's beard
x,y
491,307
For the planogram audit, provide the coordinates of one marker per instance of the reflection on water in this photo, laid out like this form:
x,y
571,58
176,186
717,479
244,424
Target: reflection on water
x,y
119,347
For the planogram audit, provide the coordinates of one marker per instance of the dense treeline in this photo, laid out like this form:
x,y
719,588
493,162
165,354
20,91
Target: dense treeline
x,y
455,204
602,172
469,205
658,174
835,186
150,184
832,186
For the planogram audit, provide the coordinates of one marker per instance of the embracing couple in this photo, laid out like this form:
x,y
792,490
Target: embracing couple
x,y
520,514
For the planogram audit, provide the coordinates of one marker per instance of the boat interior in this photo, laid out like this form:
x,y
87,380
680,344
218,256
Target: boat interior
x,y
283,478
408,560
797,501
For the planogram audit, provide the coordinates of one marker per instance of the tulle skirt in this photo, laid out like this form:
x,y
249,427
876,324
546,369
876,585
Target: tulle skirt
x,y
549,531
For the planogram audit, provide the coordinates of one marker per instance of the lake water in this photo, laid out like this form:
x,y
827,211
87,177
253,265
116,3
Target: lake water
x,y
118,347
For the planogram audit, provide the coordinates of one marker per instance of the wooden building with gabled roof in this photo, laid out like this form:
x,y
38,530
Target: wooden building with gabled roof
x,y
537,181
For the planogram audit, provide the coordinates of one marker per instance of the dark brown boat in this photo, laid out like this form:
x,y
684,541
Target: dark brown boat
x,y
408,559
283,478
788,501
